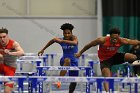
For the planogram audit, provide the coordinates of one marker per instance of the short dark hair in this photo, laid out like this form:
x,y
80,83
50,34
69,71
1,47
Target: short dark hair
x,y
67,26
3,30
114,31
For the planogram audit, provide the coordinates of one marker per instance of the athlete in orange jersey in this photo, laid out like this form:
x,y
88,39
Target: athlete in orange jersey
x,y
9,50
108,51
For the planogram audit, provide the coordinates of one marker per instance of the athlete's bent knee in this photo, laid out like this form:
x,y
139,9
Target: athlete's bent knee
x,y
67,61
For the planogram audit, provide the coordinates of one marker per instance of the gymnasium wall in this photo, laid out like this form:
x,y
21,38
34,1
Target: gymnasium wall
x,y
34,22
34,33
51,8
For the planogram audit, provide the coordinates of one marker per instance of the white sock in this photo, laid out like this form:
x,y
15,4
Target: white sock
x,y
107,92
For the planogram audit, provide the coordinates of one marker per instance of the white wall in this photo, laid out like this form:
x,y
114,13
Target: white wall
x,y
48,8
34,33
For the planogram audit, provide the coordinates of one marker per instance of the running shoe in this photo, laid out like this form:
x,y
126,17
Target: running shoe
x,y
57,84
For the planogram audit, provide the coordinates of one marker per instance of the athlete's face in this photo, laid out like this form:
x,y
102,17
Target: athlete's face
x,y
114,38
67,34
4,38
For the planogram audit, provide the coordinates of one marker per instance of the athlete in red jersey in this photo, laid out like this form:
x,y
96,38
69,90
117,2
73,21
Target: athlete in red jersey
x,y
108,51
9,50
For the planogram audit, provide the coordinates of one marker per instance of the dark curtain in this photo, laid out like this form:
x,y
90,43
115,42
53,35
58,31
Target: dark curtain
x,y
124,14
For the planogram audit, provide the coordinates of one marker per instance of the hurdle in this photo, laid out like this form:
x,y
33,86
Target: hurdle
x,y
46,58
99,88
33,61
83,57
34,58
52,56
36,79
91,63
40,71
128,67
41,68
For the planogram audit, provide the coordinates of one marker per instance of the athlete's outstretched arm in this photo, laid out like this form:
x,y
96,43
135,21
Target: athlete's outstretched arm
x,y
46,46
89,45
130,41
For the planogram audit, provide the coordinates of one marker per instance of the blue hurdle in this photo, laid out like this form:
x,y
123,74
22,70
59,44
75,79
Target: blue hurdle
x,y
99,81
45,61
128,67
27,59
34,80
37,59
20,61
40,71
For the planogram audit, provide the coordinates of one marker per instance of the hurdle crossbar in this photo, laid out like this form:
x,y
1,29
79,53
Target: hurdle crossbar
x,y
63,67
99,80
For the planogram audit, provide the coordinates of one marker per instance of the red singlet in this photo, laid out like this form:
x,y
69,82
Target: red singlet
x,y
107,50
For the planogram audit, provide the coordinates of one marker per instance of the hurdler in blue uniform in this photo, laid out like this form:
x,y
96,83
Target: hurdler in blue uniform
x,y
68,53
69,45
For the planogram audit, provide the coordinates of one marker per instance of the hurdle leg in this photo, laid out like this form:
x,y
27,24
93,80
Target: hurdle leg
x,y
88,70
40,87
118,75
32,87
40,72
99,85
88,87
45,60
83,60
52,59
136,88
38,63
20,85
130,87
111,85
81,72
